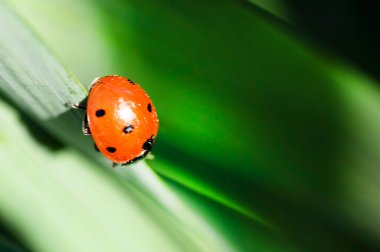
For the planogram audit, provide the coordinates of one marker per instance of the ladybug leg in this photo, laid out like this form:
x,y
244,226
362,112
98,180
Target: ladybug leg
x,y
78,106
85,127
114,164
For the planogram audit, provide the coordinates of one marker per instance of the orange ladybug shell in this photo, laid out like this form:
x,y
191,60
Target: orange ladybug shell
x,y
122,119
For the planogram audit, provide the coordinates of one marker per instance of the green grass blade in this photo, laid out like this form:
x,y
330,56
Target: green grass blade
x,y
275,7
82,36
25,62
54,198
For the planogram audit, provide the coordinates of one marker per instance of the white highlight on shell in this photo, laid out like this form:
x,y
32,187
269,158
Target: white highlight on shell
x,y
124,111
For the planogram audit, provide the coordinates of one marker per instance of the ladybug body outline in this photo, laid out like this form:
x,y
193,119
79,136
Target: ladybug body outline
x,y
121,119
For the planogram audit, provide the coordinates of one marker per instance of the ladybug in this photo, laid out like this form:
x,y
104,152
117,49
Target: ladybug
x,y
121,119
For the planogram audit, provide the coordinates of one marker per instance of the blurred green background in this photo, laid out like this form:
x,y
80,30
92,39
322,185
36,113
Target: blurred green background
x,y
269,133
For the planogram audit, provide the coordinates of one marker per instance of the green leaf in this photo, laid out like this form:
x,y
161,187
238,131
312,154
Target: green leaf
x,y
256,126
34,80
53,197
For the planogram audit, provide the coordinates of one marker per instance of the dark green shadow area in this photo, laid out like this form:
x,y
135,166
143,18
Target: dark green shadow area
x,y
346,27
296,237
41,136
55,133
308,224
9,242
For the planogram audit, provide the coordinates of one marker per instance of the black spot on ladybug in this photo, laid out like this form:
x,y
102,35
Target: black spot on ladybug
x,y
148,144
131,81
111,149
128,129
100,112
149,107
